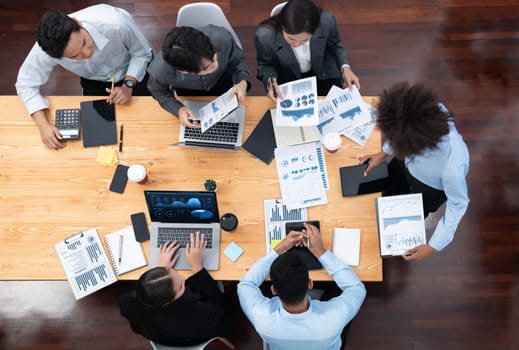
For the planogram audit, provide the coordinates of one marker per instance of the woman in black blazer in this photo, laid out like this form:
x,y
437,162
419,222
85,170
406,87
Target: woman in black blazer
x,y
302,41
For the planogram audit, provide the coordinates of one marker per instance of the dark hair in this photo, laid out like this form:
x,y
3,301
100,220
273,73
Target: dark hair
x,y
155,287
185,47
289,275
296,17
410,118
53,33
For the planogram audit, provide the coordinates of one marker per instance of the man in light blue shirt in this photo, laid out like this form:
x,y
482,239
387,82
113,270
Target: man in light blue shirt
x,y
99,43
291,320
430,157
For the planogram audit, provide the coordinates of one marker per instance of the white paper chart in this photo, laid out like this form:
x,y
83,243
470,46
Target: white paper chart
x,y
85,263
400,223
276,215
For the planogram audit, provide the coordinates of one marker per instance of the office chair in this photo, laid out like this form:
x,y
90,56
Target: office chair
x,y
202,346
277,9
200,14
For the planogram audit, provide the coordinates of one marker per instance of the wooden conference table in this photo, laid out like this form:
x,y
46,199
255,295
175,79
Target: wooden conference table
x,y
47,195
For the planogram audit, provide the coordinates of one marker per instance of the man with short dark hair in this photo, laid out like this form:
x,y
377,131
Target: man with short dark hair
x,y
205,62
291,320
173,311
99,43
429,157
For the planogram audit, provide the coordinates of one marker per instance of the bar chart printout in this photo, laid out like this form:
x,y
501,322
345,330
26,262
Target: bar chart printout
x,y
276,215
85,263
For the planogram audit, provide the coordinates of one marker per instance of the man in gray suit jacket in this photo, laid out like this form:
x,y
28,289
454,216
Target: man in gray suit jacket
x,y
205,62
302,41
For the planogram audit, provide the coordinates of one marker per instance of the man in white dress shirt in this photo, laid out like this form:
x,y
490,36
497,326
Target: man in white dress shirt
x,y
99,43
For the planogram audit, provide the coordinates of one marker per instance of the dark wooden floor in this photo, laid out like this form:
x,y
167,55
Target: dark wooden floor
x,y
467,297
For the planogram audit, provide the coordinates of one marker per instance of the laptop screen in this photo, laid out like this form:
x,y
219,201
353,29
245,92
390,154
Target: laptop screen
x,y
182,206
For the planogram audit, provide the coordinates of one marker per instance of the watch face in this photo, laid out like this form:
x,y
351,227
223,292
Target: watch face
x,y
129,83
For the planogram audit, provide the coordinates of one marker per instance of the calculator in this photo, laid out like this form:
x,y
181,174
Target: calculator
x,y
68,122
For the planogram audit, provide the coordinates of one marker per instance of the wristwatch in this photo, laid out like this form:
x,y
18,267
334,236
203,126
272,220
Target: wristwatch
x,y
129,83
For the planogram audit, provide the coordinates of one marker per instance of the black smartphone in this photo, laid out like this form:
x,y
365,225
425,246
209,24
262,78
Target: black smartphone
x,y
140,227
120,179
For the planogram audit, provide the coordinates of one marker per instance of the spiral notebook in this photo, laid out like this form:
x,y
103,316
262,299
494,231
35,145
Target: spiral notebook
x,y
126,253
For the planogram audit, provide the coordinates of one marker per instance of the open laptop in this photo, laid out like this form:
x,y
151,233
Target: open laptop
x,y
226,134
175,215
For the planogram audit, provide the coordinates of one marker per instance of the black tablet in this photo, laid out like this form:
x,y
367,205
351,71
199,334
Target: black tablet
x,y
98,123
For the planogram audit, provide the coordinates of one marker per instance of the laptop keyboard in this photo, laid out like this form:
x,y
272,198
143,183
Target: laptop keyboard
x,y
182,235
221,132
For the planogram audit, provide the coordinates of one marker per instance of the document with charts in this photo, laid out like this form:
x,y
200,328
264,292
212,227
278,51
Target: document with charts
x,y
302,175
276,216
344,111
400,223
216,110
299,106
85,263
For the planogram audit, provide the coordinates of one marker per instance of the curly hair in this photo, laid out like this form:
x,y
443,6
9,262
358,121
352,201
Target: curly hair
x,y
410,119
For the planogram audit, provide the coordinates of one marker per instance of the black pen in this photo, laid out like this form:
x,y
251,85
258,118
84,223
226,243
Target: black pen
x,y
121,139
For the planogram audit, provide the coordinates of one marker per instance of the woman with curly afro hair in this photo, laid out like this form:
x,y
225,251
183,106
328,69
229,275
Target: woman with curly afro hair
x,y
428,155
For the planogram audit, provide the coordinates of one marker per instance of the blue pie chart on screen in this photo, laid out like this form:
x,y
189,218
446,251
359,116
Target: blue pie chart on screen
x,y
202,214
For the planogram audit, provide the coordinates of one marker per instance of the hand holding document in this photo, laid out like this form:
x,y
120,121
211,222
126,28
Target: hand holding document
x,y
299,106
217,109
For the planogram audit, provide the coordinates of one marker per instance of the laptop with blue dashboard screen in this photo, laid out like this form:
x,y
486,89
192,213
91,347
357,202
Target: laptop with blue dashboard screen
x,y
175,215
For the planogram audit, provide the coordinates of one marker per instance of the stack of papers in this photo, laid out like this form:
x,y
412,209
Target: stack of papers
x,y
344,111
107,156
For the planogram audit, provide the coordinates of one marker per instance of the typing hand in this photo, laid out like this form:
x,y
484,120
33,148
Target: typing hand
x,y
195,251
166,253
188,118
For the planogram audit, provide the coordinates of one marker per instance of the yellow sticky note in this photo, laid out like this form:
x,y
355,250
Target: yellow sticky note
x,y
274,243
106,156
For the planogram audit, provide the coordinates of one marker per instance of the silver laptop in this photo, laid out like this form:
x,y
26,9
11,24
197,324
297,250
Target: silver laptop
x,y
226,134
175,215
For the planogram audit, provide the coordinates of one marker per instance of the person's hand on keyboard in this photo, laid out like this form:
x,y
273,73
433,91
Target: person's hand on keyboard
x,y
195,251
166,254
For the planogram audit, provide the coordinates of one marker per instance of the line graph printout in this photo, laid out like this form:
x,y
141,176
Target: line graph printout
x,y
302,174
276,216
85,263
400,223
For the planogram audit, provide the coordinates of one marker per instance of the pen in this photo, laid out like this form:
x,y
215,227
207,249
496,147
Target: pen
x,y
121,139
121,237
270,84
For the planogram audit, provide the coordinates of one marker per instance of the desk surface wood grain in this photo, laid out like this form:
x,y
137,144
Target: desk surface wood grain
x,y
47,195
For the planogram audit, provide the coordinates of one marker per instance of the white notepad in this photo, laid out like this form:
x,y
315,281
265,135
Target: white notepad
x,y
132,256
346,245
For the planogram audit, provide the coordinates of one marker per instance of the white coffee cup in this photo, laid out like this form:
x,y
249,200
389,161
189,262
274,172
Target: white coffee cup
x,y
332,141
137,173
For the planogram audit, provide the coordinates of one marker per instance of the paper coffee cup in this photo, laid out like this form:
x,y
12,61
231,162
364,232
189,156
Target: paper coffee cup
x,y
137,173
332,141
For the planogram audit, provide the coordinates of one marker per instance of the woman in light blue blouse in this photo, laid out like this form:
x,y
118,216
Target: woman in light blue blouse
x,y
429,157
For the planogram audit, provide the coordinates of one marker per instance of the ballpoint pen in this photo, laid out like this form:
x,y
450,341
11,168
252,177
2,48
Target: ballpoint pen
x,y
121,139
121,237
